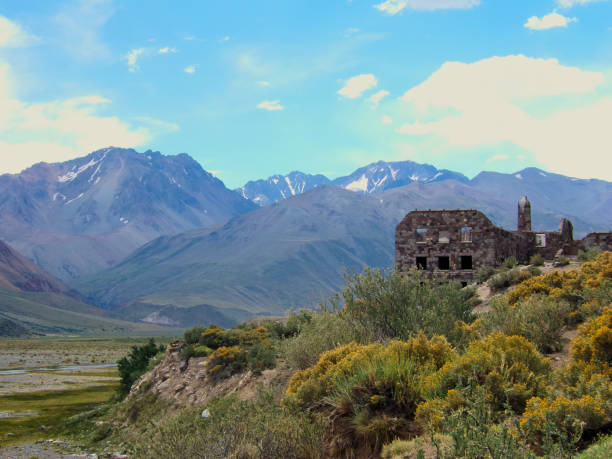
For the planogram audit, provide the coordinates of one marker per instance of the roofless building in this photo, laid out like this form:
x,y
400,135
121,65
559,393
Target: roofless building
x,y
457,243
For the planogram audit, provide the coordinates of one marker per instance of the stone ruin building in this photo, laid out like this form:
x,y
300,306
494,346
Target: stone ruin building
x,y
456,243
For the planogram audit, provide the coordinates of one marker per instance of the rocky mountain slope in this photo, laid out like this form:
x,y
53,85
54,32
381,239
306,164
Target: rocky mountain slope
x,y
19,274
287,255
84,215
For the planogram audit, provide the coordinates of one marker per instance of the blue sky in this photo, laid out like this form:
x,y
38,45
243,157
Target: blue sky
x,y
252,89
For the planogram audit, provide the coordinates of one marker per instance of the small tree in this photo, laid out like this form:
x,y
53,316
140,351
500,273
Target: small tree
x,y
134,365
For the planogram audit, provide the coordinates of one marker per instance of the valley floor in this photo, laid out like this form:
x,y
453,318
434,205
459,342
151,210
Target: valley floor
x,y
44,381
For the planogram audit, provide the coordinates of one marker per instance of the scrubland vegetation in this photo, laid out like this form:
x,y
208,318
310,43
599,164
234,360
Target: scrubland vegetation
x,y
399,366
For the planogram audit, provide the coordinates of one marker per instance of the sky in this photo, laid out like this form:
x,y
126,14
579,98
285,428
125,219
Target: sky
x,y
256,88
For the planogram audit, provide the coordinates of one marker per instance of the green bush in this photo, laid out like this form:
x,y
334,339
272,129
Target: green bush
x,y
238,429
325,331
260,356
538,318
192,335
134,365
485,273
599,450
505,279
475,433
510,262
418,448
536,260
290,327
388,305
201,351
589,255
561,261
534,271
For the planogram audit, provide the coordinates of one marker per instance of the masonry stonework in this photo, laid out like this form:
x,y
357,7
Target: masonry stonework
x,y
456,243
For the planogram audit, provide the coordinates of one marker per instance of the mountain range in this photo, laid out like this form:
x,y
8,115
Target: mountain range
x,y
373,178
81,216
293,253
157,239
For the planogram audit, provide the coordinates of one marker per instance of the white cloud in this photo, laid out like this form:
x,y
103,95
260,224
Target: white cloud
x,y
190,69
58,130
549,21
357,85
264,83
271,105
166,50
571,3
392,7
487,100
224,39
12,34
376,98
132,58
386,120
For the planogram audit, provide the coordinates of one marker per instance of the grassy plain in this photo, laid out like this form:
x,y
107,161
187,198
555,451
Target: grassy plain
x,y
36,404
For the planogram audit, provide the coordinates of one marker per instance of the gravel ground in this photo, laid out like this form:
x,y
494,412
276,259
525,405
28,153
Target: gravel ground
x,y
47,449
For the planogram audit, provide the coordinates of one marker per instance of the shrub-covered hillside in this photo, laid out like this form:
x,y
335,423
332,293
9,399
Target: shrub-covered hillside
x,y
399,366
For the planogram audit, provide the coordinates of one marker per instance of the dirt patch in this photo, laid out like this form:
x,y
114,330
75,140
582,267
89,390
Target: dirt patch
x,y
563,356
188,384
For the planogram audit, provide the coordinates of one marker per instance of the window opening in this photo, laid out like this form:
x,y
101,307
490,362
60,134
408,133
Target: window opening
x,y
540,240
444,237
444,263
466,234
421,235
421,262
466,261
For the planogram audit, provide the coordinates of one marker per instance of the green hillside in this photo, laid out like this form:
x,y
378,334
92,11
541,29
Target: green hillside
x,y
50,313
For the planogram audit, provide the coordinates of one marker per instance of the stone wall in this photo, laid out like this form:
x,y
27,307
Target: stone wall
x,y
438,241
426,236
602,241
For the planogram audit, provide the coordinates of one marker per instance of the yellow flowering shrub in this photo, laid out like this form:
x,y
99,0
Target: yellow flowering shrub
x,y
431,413
508,367
214,337
369,391
593,345
569,284
252,336
225,361
313,382
565,416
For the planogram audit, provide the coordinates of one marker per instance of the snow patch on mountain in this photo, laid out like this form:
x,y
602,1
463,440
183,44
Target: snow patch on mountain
x,y
290,186
74,199
361,184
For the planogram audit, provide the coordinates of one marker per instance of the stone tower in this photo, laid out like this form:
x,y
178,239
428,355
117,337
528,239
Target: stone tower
x,y
524,214
566,229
